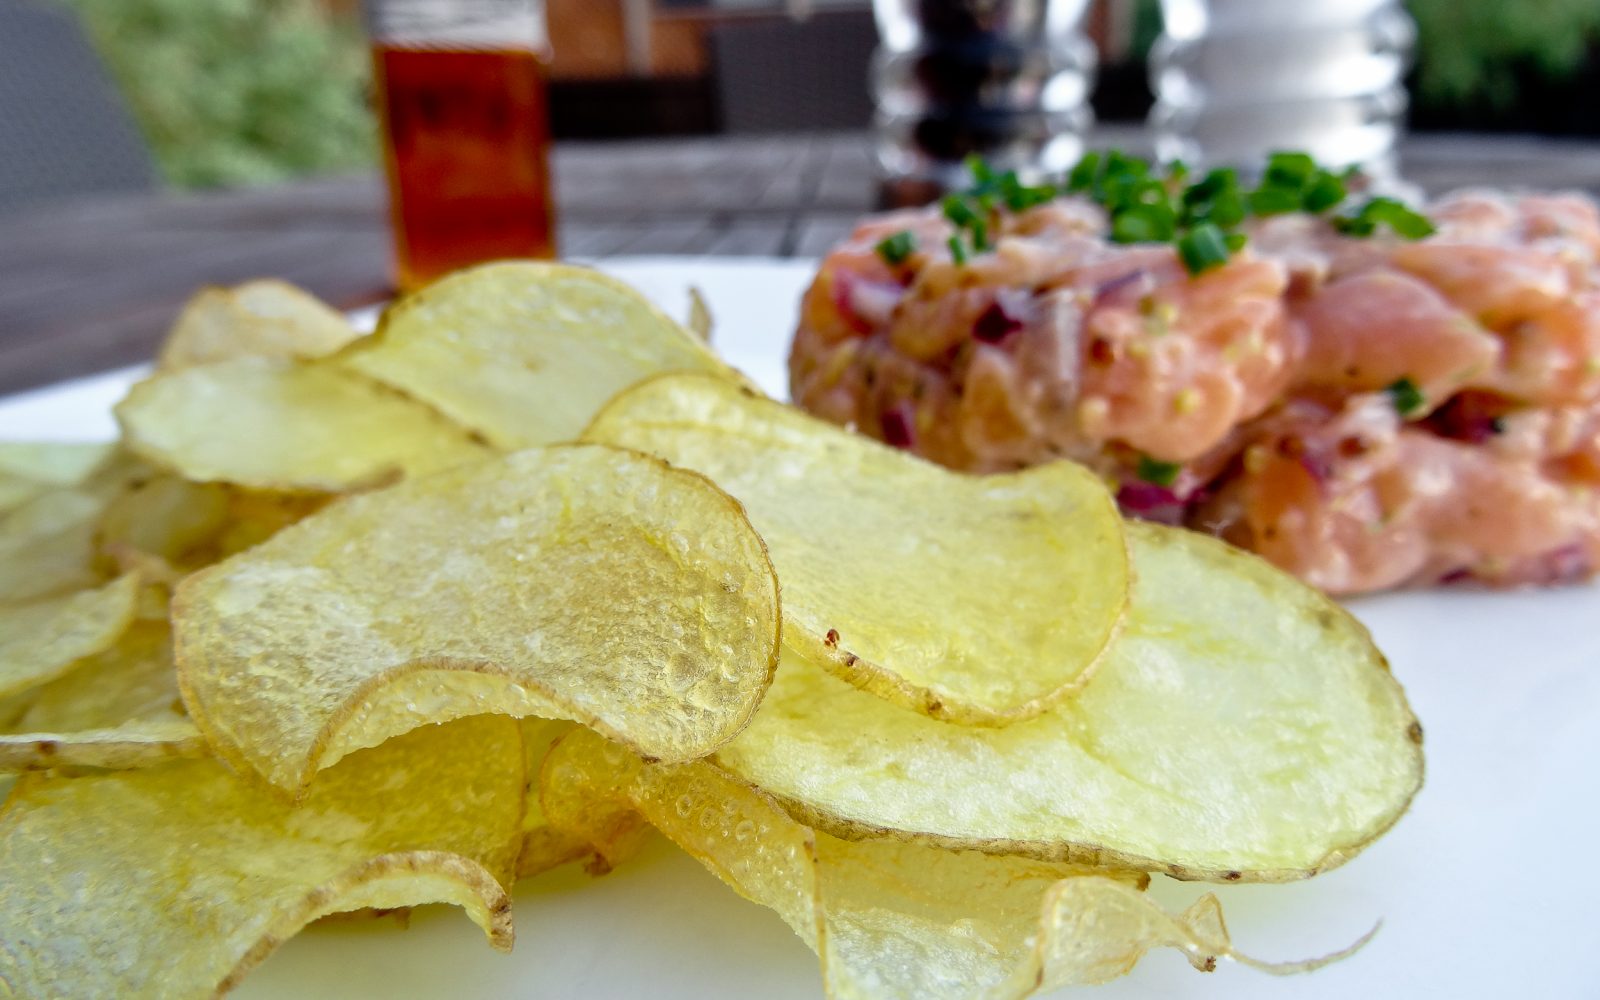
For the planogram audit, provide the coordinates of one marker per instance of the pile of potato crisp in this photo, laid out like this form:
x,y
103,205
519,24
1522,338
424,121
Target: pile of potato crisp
x,y
367,622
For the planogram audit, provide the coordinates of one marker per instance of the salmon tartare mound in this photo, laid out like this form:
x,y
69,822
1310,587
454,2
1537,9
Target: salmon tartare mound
x,y
1365,411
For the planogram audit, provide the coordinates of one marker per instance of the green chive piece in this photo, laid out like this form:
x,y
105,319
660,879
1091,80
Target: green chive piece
x,y
1325,191
1405,395
1274,201
1235,241
1399,217
1203,248
980,236
958,253
981,172
1144,224
895,249
1158,472
959,211
1083,174
1289,170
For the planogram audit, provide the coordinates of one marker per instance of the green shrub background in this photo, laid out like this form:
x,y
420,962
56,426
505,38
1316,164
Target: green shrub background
x,y
238,91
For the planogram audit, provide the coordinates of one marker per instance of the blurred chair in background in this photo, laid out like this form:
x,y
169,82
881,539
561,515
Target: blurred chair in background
x,y
64,129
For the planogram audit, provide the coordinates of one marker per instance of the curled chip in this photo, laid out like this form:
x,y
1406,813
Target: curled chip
x,y
270,424
973,599
1242,727
543,846
41,640
525,353
176,880
888,919
578,582
266,318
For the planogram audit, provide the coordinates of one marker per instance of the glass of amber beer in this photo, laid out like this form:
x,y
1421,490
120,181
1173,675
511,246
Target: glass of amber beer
x,y
466,131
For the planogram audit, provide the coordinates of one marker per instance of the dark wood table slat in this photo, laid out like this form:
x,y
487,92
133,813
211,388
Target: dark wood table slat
x,y
92,284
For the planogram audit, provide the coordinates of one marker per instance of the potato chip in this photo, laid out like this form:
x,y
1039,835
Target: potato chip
x,y
47,545
265,318
165,516
543,846
280,425
578,582
176,880
118,708
1243,727
888,919
132,679
41,640
130,745
525,353
29,468
972,599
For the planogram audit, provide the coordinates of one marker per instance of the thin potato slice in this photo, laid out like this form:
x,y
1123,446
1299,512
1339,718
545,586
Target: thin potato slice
x,y
888,919
971,599
166,517
41,640
525,353
47,545
1243,727
117,709
264,318
577,582
543,846
130,745
270,424
29,468
176,880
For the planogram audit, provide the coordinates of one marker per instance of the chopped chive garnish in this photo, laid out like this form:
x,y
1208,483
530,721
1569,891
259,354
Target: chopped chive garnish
x,y
1402,220
1274,201
1159,473
1144,224
1325,191
895,249
1203,248
1289,170
959,210
1146,204
1405,395
958,253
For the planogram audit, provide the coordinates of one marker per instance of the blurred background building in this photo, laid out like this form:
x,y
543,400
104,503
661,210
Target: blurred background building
x,y
229,92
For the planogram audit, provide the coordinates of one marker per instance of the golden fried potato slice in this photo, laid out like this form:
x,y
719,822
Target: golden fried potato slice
x,y
47,545
134,744
264,318
972,599
165,516
525,353
119,708
41,640
270,424
196,877
578,582
29,468
888,919
543,846
1243,727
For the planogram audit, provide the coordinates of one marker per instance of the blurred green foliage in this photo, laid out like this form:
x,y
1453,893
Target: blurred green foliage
x,y
1467,50
238,91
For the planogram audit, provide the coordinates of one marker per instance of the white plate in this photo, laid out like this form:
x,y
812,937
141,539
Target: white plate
x,y
1483,888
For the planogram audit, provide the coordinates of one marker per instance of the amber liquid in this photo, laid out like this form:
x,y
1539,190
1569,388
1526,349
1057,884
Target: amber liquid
x,y
466,139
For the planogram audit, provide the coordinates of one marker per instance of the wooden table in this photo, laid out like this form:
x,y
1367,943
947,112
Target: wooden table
x,y
87,286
